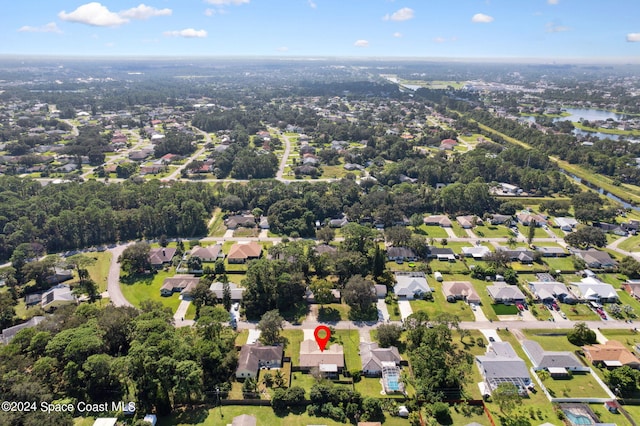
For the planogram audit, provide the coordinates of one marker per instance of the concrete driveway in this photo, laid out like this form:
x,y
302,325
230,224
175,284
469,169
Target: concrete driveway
x,y
383,310
405,309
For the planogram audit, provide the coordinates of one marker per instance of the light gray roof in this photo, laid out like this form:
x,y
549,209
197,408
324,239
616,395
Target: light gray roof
x,y
502,291
372,356
408,283
236,292
545,290
542,359
10,332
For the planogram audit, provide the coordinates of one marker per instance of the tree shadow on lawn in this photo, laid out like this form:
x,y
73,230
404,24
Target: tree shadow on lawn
x,y
296,313
145,279
191,416
328,315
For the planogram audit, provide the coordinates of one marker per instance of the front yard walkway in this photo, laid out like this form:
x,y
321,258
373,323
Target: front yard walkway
x,y
178,317
383,310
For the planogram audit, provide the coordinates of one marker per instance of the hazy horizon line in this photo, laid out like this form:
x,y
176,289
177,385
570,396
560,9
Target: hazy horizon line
x,y
471,59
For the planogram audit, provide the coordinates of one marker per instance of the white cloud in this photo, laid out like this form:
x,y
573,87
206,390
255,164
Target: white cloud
x,y
553,1
282,49
227,2
312,4
633,37
552,27
482,18
142,11
94,14
397,35
98,15
361,43
209,12
403,14
187,33
51,27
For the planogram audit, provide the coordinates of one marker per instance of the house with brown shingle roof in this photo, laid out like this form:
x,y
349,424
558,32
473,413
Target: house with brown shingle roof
x,y
184,284
438,220
161,256
460,290
244,251
611,354
312,357
209,253
254,356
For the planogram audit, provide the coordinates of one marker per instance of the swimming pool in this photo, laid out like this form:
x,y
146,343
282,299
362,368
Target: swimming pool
x,y
578,419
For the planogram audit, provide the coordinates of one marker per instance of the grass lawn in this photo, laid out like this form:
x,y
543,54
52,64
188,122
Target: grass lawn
x,y
481,289
148,288
630,244
292,350
100,269
456,246
333,312
432,232
579,385
501,309
559,232
246,233
217,228
458,230
579,312
440,305
560,263
191,312
493,231
264,416
394,311
607,417
626,336
350,341
524,231
241,337
335,172
305,381
551,340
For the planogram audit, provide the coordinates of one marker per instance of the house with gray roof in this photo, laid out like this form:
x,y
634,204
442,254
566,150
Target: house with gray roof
x,y
558,363
8,333
595,258
566,223
411,285
373,357
57,296
401,254
236,292
501,364
548,291
476,252
502,292
181,283
208,253
591,289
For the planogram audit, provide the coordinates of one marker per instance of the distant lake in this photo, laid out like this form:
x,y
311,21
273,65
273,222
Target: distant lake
x,y
578,114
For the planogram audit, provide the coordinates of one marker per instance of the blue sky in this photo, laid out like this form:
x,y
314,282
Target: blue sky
x,y
558,29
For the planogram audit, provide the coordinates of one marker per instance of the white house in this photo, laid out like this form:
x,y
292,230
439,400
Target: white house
x,y
410,285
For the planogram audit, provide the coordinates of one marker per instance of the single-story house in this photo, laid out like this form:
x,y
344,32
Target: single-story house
x,y
501,364
338,222
526,218
566,224
460,290
332,358
310,297
595,258
161,256
551,251
209,253
477,252
410,285
502,292
57,296
611,354
8,333
558,363
591,289
520,254
244,251
441,253
632,287
380,290
59,276
184,284
325,248
469,221
438,220
373,356
240,220
254,356
612,228
499,219
236,292
549,291
401,254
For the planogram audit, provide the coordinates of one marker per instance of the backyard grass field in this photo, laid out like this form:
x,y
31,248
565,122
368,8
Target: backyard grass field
x,y
148,288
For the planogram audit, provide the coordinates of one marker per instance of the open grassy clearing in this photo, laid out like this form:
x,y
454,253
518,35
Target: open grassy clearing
x,y
148,288
630,244
559,263
579,312
350,341
436,232
493,231
294,338
440,305
99,270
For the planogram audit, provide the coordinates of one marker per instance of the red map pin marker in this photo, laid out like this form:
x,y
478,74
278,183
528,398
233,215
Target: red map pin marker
x,y
322,340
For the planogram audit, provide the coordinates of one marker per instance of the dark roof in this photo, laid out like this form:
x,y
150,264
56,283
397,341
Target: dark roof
x,y
400,252
10,332
158,256
251,354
